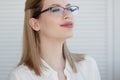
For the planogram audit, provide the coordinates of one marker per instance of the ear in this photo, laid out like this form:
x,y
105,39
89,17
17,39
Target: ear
x,y
34,24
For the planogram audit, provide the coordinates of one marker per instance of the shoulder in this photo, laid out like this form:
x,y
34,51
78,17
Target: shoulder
x,y
21,72
83,59
20,69
88,67
86,62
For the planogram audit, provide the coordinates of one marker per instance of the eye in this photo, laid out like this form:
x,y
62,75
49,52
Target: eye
x,y
55,9
72,8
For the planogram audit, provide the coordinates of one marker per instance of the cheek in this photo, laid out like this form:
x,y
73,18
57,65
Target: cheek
x,y
50,26
48,20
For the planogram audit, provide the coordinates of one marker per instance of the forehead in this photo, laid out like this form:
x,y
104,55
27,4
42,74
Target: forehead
x,y
48,3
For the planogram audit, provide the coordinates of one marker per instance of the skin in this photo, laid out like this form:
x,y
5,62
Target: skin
x,y
52,36
52,24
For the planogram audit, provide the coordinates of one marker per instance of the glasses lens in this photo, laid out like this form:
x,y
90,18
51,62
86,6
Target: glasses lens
x,y
74,10
56,11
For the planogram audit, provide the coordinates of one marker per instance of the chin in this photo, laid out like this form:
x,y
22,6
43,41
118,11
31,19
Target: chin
x,y
69,36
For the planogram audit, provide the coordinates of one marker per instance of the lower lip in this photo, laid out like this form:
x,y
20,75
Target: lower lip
x,y
67,26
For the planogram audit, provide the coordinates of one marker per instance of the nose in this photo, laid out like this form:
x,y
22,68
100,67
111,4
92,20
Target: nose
x,y
67,15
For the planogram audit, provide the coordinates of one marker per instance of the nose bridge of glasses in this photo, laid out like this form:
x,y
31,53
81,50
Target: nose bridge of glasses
x,y
67,13
67,10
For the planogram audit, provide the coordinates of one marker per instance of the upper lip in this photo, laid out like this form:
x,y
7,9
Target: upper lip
x,y
67,23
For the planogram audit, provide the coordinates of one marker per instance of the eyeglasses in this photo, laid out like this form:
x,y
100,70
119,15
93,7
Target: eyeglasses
x,y
59,11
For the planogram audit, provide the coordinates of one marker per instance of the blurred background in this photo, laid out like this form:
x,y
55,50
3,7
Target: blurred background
x,y
96,33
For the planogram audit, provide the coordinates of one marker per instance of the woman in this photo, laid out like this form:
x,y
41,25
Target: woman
x,y
47,25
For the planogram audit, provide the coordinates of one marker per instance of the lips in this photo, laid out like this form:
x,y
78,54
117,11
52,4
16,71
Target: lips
x,y
67,25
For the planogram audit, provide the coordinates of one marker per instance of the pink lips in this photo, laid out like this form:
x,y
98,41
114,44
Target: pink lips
x,y
67,25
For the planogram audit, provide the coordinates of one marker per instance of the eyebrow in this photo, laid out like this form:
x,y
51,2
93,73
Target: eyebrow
x,y
60,5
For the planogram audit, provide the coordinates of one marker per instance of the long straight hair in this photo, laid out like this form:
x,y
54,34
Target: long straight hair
x,y
31,40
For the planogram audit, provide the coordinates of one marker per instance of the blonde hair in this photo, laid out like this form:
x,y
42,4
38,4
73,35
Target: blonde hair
x,y
30,53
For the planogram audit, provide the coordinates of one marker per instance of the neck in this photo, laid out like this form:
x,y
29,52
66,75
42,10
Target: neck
x,y
51,52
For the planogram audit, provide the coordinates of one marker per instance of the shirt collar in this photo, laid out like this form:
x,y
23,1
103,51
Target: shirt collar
x,y
47,71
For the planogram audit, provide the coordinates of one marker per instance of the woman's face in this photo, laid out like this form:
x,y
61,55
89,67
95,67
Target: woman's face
x,y
53,24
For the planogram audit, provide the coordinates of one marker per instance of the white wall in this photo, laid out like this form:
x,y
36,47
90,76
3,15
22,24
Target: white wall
x,y
117,39
97,33
11,24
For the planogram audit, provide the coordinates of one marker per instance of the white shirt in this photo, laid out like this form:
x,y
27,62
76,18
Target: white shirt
x,y
87,70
